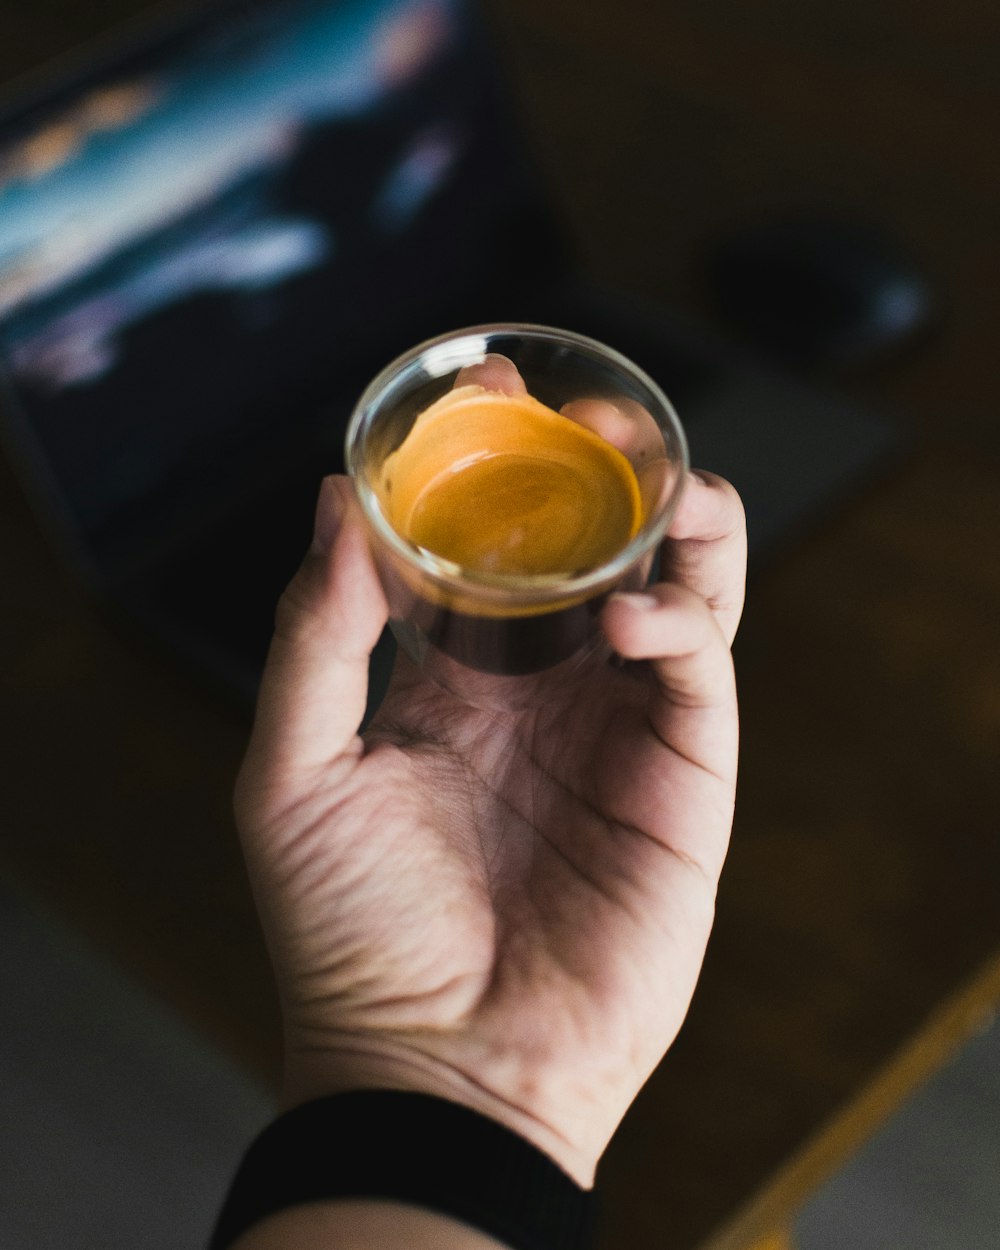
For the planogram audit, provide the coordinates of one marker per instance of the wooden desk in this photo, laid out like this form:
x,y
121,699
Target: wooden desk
x,y
961,1036
862,885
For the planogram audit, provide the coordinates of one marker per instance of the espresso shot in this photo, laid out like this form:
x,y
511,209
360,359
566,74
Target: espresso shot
x,y
512,478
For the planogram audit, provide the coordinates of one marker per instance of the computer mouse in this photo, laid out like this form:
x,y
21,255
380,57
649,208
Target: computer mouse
x,y
819,289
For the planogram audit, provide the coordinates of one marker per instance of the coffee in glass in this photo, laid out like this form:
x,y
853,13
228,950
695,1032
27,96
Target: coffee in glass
x,y
512,477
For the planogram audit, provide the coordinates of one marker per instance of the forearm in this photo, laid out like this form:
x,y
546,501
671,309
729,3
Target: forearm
x,y
362,1225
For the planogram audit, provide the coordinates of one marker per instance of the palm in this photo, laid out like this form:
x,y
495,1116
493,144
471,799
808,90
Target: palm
x,y
521,878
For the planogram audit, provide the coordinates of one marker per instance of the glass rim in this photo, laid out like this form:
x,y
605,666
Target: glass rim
x,y
527,587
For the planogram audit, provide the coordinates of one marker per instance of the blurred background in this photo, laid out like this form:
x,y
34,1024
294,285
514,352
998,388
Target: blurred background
x,y
814,190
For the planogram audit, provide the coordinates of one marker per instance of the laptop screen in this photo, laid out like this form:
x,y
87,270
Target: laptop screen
x,y
209,243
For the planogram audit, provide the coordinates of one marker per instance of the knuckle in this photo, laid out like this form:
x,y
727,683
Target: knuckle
x,y
296,611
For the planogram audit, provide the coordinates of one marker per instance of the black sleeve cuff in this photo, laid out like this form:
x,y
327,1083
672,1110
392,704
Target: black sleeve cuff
x,y
409,1148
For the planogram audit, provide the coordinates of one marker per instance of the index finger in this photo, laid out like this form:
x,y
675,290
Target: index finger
x,y
706,547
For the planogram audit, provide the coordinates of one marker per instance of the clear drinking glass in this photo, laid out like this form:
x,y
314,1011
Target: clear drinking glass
x,y
497,638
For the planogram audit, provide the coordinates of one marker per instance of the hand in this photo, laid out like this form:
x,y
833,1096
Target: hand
x,y
510,911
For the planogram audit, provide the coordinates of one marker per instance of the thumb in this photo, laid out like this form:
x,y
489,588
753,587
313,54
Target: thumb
x,y
315,684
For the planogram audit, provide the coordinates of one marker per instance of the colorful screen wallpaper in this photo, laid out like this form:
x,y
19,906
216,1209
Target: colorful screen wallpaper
x,y
212,239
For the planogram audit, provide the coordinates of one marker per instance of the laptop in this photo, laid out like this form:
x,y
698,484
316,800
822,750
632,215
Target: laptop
x,y
215,230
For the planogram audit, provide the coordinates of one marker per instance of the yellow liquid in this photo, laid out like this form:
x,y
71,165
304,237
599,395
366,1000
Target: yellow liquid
x,y
502,484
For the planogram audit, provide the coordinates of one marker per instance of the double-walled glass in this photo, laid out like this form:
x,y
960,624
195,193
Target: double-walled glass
x,y
501,639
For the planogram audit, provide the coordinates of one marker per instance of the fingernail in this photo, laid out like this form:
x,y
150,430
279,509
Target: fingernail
x,y
640,602
329,514
697,478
